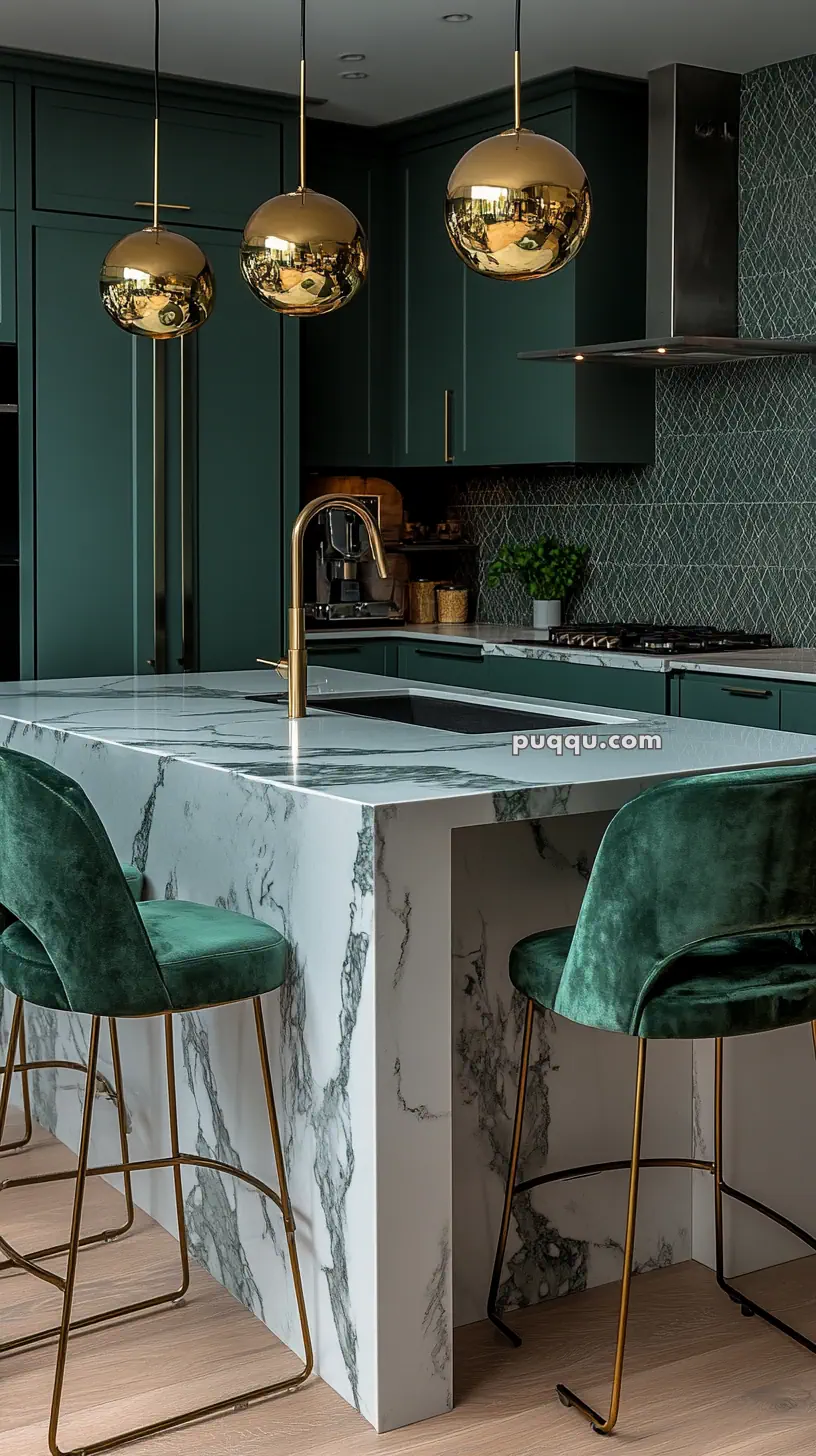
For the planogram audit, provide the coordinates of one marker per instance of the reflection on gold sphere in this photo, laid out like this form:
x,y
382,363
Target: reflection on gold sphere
x,y
518,206
304,254
157,284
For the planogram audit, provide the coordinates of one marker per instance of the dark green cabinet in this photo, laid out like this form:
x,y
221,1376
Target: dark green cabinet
x,y
798,713
730,699
96,590
94,155
6,145
346,393
430,378
93,391
457,664
572,682
8,281
368,655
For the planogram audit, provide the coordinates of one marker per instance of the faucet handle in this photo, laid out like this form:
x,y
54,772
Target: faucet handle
x,y
281,666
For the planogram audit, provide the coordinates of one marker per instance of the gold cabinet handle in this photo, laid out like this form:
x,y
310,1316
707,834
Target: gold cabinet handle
x,y
173,206
748,692
159,659
448,427
188,660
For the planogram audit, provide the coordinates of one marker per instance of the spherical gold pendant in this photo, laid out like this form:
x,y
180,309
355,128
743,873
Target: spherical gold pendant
x,y
304,254
518,206
157,284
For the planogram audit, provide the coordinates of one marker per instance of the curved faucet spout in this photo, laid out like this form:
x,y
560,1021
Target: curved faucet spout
x,y
296,656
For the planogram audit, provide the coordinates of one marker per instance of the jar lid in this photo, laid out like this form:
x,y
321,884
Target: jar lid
x,y
452,588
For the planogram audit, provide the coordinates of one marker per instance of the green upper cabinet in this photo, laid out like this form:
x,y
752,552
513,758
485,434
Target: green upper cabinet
x,y
346,356
94,154
8,281
93,450
513,412
425,370
431,292
6,145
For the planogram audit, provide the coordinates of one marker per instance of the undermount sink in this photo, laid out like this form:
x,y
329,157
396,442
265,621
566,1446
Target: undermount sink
x,y
449,715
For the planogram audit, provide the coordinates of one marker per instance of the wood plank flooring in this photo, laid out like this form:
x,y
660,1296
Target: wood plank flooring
x,y
700,1379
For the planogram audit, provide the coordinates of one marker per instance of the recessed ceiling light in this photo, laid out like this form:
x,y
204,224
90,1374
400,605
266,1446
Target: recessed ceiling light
x,y
352,56
457,17
354,75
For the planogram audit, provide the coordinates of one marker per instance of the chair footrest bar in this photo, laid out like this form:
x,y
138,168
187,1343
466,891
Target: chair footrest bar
x,y
620,1165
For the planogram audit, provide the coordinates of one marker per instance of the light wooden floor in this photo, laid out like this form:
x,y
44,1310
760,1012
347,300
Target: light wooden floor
x,y
701,1380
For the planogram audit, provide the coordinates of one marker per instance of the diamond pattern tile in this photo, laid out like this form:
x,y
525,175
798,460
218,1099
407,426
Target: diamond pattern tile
x,y
722,530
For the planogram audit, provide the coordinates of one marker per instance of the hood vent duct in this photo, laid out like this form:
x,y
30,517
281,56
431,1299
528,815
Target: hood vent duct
x,y
692,303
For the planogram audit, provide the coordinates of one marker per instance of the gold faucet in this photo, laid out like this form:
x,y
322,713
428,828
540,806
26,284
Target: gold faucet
x,y
294,664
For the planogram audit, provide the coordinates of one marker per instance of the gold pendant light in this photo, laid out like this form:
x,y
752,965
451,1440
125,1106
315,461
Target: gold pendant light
x,y
518,205
154,283
304,253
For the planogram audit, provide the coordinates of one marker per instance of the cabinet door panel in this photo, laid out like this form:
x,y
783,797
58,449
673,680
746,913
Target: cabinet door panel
x,y
571,682
726,699
6,145
8,281
92,155
516,412
93,462
365,656
239,470
798,708
461,667
220,167
432,300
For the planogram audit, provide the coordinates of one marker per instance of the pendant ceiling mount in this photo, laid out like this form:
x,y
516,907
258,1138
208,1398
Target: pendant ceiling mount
x,y
154,283
304,254
518,205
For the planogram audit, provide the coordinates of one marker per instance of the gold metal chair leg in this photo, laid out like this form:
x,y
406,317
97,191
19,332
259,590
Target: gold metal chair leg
x,y
748,1306
177,1161
566,1396
73,1245
510,1186
172,1107
24,1075
11,1058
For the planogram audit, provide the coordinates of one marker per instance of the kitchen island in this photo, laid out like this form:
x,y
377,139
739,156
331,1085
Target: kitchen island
x,y
401,863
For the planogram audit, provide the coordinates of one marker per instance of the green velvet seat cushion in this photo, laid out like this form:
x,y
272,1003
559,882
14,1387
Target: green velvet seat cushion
x,y
206,956
134,880
728,987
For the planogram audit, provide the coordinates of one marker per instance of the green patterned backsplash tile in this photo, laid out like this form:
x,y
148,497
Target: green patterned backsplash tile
x,y
722,529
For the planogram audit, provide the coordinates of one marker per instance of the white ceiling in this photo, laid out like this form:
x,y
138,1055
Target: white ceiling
x,y
415,61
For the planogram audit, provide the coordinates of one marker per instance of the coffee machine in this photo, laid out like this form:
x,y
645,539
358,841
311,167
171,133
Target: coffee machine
x,y
347,590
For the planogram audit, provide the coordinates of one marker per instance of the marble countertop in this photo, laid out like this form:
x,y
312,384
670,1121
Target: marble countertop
x,y
207,719
792,664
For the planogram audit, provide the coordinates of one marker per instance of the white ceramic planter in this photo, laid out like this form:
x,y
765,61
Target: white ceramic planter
x,y
547,614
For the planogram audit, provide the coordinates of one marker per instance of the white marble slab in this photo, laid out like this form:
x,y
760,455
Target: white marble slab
x,y
401,864
788,664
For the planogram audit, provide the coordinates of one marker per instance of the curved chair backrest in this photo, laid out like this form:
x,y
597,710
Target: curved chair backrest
x,y
59,876
688,861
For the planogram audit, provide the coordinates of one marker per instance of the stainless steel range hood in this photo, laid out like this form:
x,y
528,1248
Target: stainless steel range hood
x,y
692,304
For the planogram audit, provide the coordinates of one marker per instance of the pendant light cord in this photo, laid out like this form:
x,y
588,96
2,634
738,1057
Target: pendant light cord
x,y
155,113
302,187
516,68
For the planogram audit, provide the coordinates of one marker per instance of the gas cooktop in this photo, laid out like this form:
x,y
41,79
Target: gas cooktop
x,y
641,637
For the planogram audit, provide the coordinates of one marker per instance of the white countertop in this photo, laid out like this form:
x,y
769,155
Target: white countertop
x,y
791,664
207,719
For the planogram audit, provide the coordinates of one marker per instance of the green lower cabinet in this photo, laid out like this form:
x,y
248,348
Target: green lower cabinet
x,y
798,708
8,312
726,699
458,665
367,656
571,682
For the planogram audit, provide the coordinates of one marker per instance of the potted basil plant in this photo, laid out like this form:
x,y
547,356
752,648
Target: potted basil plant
x,y
548,569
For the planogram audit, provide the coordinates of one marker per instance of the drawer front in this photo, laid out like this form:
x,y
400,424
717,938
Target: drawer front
x,y
95,156
6,145
8,283
798,708
571,682
365,656
458,666
752,701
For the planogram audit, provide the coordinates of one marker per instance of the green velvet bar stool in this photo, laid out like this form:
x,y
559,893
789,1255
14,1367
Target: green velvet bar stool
x,y
699,920
80,943
135,883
